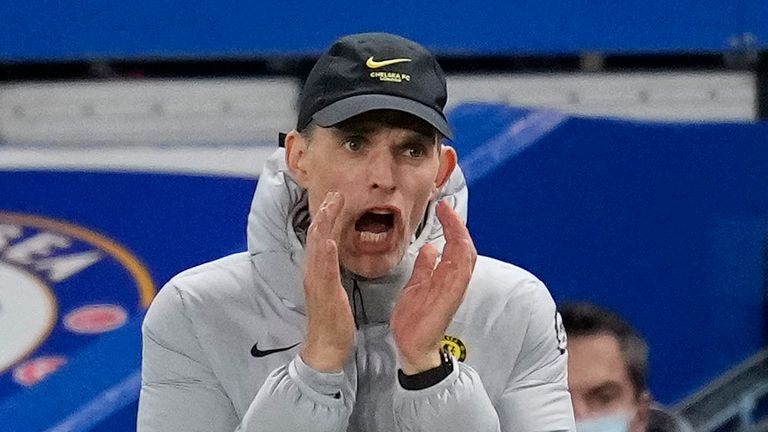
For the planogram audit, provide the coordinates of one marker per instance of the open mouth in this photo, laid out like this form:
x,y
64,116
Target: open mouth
x,y
374,225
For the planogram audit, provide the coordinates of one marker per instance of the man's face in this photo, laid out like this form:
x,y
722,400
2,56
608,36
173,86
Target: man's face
x,y
599,382
387,176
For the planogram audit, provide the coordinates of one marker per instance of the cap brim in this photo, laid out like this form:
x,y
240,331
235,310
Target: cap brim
x,y
347,108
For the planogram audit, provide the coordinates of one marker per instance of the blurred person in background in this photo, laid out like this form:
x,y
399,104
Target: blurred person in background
x,y
607,372
362,304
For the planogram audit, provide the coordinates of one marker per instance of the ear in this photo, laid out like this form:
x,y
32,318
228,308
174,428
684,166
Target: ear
x,y
295,156
448,161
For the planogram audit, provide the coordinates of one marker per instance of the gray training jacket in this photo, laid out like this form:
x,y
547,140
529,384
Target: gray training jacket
x,y
221,342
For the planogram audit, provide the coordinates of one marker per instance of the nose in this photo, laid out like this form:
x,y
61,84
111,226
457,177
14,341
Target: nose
x,y
382,171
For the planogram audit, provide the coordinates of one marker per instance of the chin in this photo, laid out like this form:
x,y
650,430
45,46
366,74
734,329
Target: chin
x,y
371,267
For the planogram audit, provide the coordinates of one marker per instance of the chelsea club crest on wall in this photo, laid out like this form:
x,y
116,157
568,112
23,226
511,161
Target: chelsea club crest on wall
x,y
61,285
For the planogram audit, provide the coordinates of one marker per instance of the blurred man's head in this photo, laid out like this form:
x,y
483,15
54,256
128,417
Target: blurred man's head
x,y
607,367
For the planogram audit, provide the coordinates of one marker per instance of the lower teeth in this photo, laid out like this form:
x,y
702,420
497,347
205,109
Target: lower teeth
x,y
368,236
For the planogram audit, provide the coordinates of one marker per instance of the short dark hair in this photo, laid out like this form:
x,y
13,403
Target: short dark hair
x,y
587,319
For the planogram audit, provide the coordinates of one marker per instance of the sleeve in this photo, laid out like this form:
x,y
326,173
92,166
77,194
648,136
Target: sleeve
x,y
180,391
298,398
536,397
457,403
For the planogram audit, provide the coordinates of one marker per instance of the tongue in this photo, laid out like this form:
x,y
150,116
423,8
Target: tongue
x,y
373,227
374,223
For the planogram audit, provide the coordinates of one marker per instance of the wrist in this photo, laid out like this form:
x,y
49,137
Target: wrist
x,y
416,364
322,361
427,378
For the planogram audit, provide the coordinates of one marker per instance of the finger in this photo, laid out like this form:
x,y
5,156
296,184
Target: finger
x,y
459,247
453,226
424,266
321,229
322,279
330,265
458,260
322,261
409,305
324,221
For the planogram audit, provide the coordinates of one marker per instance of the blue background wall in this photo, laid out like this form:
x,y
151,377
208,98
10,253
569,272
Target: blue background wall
x,y
77,30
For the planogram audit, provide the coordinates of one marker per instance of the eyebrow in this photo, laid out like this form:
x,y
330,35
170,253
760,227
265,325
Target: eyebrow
x,y
366,128
610,386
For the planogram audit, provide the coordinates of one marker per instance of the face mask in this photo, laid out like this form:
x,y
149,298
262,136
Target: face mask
x,y
610,423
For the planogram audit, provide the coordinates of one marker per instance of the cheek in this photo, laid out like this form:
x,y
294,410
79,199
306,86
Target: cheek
x,y
327,179
317,189
429,191
421,197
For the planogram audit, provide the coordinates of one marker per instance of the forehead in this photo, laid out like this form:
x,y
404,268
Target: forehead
x,y
594,361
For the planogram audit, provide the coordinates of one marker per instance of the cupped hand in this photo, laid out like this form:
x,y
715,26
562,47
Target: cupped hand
x,y
433,294
330,324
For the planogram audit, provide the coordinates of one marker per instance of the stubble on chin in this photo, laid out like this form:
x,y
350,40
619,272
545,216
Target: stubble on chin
x,y
373,267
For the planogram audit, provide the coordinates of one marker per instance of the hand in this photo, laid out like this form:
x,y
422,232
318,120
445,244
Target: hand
x,y
330,324
433,294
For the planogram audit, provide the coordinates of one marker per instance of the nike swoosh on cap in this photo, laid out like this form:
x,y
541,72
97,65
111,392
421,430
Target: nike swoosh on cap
x,y
256,352
373,64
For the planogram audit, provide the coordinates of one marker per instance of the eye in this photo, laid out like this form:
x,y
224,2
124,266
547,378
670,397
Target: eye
x,y
414,150
604,397
353,144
